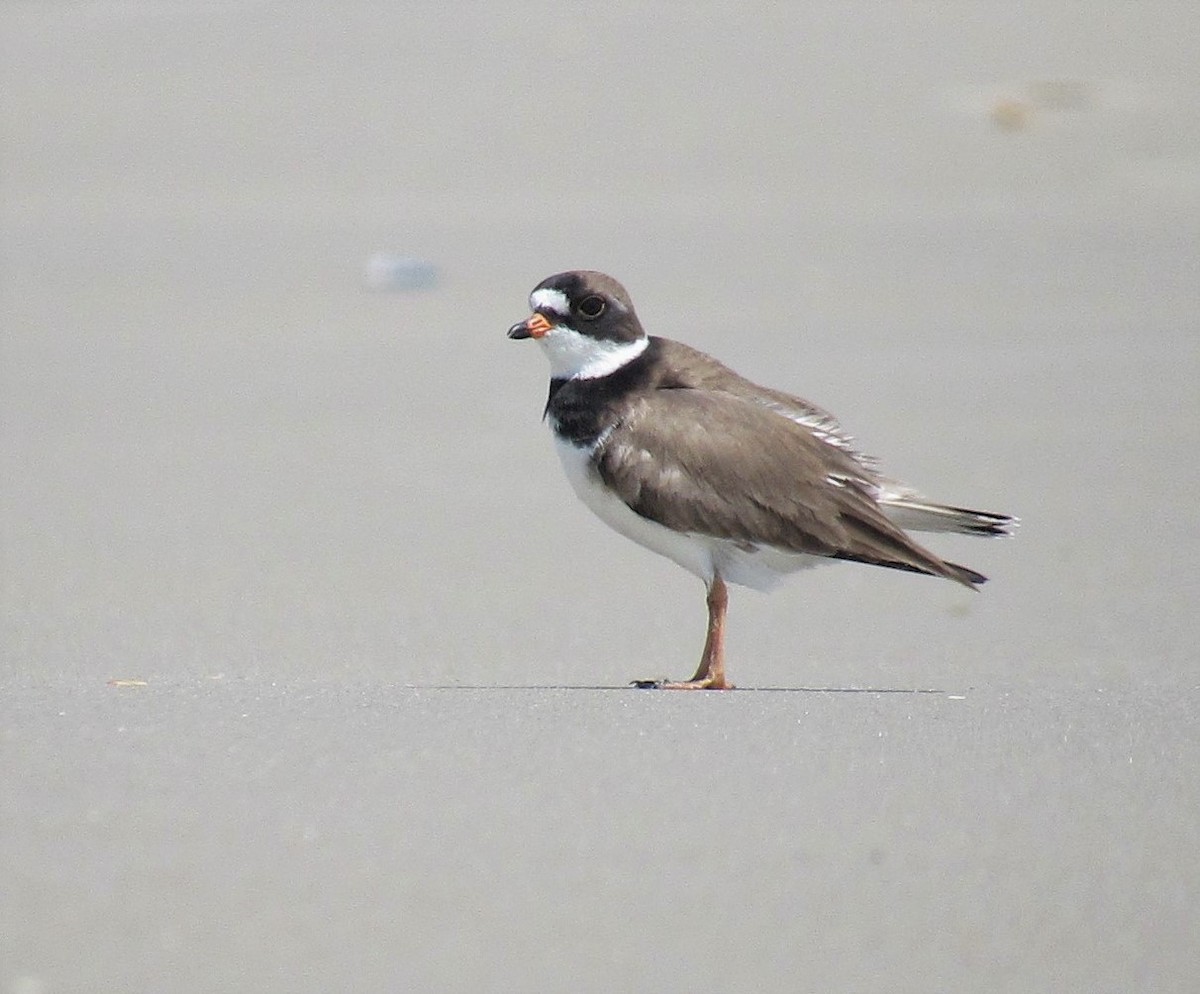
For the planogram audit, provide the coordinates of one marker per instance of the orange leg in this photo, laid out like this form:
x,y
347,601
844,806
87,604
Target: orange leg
x,y
710,674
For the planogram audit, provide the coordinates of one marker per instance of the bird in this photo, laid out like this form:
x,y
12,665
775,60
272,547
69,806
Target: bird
x,y
737,483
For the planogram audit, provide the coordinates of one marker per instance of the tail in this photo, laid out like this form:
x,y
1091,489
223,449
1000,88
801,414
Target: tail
x,y
914,513
910,511
878,539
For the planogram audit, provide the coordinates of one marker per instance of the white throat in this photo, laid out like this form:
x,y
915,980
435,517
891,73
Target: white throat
x,y
580,357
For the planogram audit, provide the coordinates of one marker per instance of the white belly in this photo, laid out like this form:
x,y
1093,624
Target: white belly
x,y
760,568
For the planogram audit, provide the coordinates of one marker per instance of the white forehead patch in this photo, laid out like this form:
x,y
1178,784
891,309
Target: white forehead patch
x,y
580,357
550,300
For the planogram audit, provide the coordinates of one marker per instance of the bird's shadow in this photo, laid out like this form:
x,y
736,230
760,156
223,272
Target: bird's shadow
x,y
644,685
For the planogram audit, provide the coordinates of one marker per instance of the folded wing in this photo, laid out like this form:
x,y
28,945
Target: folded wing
x,y
732,468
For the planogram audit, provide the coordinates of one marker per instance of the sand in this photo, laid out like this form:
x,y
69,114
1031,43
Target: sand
x,y
312,670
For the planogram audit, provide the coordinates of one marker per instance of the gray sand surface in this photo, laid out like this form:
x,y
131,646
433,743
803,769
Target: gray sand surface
x,y
312,669
241,836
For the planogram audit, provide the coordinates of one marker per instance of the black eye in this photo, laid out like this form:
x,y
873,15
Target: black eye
x,y
591,307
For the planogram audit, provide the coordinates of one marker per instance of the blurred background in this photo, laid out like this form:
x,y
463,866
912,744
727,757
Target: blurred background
x,y
236,440
271,475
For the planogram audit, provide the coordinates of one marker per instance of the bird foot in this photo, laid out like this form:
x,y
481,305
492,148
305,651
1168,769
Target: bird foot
x,y
708,683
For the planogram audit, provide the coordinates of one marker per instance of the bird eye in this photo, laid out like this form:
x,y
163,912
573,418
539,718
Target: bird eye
x,y
591,307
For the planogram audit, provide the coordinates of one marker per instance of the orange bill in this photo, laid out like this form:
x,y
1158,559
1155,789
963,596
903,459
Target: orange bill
x,y
537,325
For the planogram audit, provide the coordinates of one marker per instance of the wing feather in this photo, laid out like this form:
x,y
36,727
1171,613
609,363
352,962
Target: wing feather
x,y
734,469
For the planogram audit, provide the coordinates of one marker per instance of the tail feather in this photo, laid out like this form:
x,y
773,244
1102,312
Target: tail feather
x,y
914,513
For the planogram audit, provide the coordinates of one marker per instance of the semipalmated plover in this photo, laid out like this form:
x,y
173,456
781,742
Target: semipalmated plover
x,y
735,482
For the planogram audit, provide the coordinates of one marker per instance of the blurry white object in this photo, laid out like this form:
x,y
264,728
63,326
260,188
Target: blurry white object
x,y
385,271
